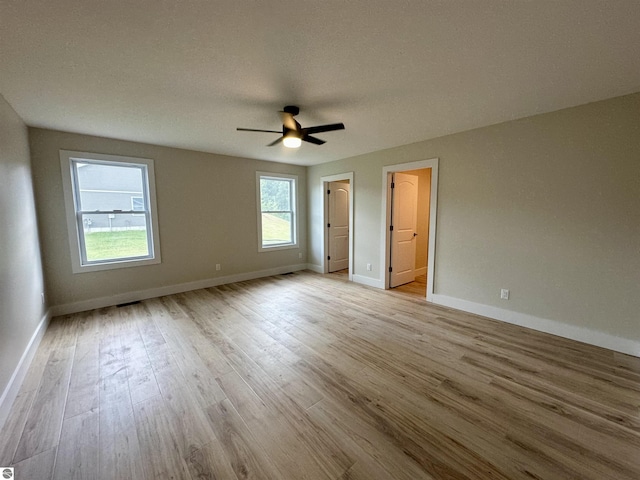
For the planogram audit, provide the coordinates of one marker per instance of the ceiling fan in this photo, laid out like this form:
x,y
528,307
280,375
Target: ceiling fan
x,y
292,133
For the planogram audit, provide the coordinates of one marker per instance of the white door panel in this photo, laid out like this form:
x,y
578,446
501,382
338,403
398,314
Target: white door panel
x,y
404,218
339,226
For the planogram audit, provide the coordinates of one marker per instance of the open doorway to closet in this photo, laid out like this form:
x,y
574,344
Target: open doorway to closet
x,y
338,192
409,221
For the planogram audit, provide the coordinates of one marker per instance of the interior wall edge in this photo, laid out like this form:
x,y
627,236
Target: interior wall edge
x,y
315,268
109,301
13,387
581,334
368,281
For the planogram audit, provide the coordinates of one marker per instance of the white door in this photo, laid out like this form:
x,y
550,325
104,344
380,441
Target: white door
x,y
404,218
338,226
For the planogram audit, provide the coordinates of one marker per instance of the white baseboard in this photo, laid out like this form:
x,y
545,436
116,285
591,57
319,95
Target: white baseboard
x,y
573,332
13,387
315,268
127,297
370,282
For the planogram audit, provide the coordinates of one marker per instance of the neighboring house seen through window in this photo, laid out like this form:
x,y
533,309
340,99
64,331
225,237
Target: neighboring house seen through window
x,y
111,214
277,222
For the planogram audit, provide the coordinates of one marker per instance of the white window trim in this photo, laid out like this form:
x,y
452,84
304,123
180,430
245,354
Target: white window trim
x,y
66,157
278,176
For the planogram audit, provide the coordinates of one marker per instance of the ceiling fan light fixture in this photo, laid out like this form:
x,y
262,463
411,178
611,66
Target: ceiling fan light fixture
x,y
291,141
292,133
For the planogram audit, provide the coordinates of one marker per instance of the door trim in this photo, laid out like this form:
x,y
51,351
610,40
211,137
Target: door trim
x,y
325,218
386,219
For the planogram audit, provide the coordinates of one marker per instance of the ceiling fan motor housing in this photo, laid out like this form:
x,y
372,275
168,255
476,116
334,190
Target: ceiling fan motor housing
x,y
292,109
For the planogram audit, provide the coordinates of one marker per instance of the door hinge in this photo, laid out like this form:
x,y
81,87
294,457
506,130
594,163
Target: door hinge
x,y
390,269
328,225
393,185
391,228
328,192
329,257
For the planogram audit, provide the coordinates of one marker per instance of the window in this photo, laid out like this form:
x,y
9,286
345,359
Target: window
x,y
111,211
137,204
277,223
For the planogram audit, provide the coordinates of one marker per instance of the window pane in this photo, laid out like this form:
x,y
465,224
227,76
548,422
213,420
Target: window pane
x,y
107,187
137,204
276,228
115,236
275,195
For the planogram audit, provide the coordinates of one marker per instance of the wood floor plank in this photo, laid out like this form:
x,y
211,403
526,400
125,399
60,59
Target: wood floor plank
x,y
158,446
151,335
84,387
287,415
120,455
77,457
15,424
366,444
142,381
189,424
42,429
179,362
273,361
210,463
38,467
248,460
266,424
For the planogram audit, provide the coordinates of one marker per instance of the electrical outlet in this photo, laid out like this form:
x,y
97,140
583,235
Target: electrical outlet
x,y
42,295
217,266
504,294
368,267
300,255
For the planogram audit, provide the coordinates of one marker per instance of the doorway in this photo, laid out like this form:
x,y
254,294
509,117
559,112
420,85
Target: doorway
x,y
409,222
338,195
403,228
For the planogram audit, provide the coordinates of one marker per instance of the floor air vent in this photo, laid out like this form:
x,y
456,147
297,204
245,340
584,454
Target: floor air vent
x,y
120,305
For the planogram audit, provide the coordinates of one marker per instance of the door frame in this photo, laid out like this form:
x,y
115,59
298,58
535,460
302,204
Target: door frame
x,y
325,209
386,218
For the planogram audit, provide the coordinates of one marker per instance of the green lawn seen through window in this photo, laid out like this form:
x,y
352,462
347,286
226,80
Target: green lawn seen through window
x,y
276,228
113,245
133,243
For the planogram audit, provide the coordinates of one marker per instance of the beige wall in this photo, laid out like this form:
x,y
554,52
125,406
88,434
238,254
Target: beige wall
x,y
546,206
206,209
21,280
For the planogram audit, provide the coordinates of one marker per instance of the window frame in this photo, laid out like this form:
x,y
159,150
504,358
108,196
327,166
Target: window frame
x,y
74,215
293,202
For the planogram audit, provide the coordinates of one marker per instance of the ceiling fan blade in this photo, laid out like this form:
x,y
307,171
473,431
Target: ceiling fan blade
x,y
310,139
324,128
275,142
289,122
254,130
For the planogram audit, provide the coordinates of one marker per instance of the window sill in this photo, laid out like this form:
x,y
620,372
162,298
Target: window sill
x,y
97,267
287,246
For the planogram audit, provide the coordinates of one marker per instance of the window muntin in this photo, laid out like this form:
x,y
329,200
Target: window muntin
x,y
110,211
277,222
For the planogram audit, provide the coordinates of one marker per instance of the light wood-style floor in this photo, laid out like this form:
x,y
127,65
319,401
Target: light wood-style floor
x,y
304,376
417,288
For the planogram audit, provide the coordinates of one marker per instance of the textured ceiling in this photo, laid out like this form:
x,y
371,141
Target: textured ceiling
x,y
186,73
